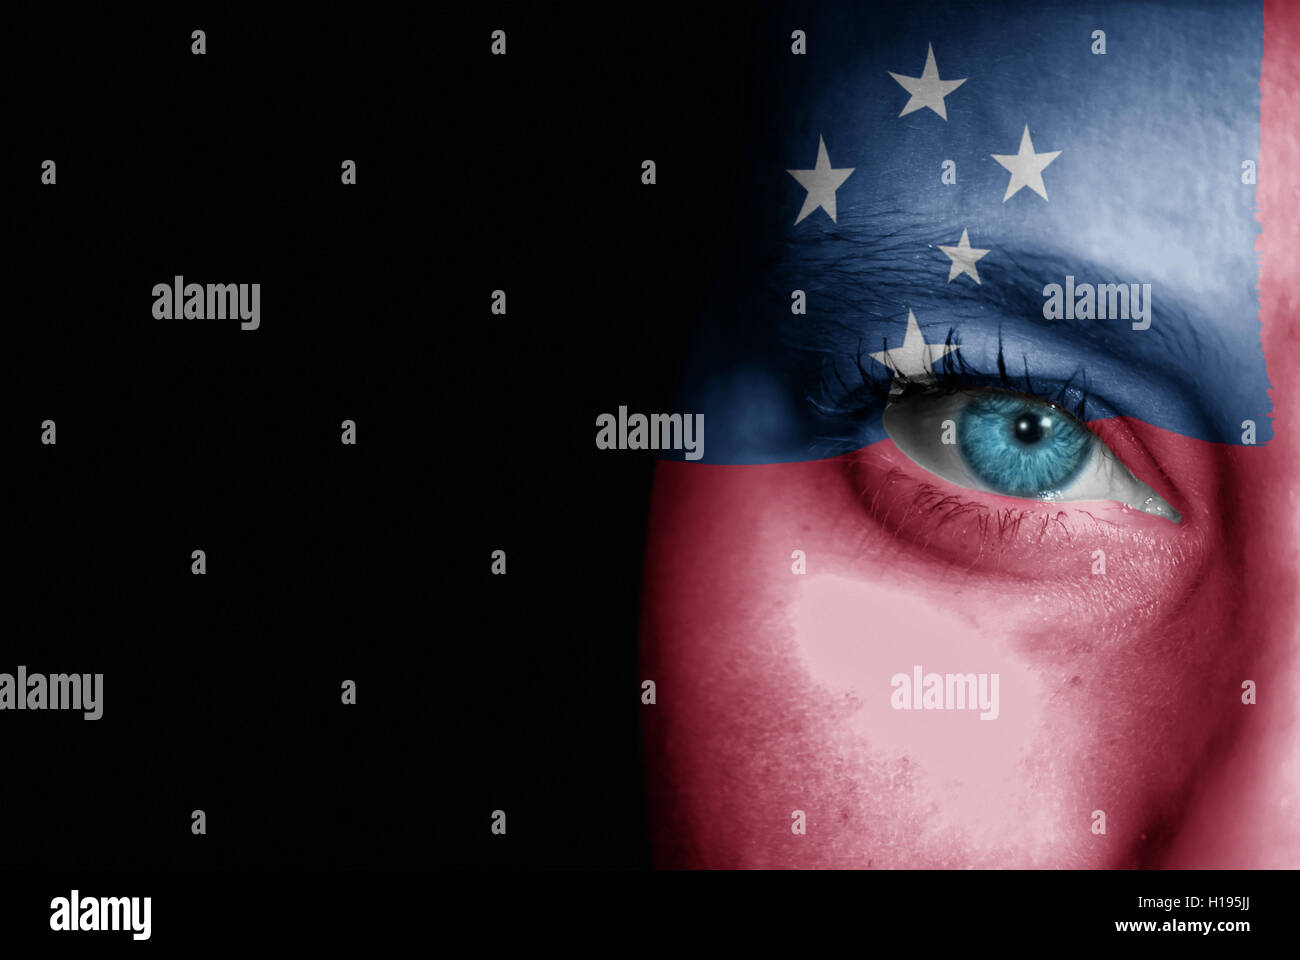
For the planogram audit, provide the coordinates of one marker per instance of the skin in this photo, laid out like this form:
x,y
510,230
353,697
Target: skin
x,y
1120,693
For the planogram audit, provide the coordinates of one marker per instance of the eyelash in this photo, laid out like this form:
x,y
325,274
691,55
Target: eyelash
x,y
852,405
926,510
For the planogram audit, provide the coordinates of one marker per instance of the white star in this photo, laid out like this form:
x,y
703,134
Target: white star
x,y
1026,167
927,90
821,182
914,360
963,258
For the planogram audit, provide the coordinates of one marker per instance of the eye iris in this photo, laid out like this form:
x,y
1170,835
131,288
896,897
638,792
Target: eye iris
x,y
1021,448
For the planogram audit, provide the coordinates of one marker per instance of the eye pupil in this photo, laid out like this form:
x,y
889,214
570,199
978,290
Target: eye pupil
x,y
1029,427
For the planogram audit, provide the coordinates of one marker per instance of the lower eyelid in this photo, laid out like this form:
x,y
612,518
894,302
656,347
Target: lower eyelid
x,y
930,521
957,526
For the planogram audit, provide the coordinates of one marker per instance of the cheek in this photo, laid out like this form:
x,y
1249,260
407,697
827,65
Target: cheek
x,y
775,687
1059,580
872,643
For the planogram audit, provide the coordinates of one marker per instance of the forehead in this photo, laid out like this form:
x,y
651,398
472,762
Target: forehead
x,y
1152,133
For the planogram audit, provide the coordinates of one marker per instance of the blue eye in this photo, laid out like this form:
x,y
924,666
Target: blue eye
x,y
1015,445
1021,447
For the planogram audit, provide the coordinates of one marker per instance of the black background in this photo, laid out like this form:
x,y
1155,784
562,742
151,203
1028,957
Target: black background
x,y
604,277
221,692
475,431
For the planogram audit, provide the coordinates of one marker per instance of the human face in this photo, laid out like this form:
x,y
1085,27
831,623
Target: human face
x,y
1120,736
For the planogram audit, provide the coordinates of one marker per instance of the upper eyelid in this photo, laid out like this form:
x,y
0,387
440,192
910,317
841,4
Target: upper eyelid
x,y
1078,417
954,372
845,345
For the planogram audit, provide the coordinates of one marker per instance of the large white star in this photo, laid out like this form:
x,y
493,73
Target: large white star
x,y
963,258
914,360
927,90
1026,167
821,182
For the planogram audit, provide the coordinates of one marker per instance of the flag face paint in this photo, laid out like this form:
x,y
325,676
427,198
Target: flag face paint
x,y
816,603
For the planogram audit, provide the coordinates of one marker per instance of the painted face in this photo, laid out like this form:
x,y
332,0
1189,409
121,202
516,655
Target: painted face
x,y
986,563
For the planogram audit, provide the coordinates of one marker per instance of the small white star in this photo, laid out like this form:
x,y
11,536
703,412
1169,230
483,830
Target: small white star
x,y
914,360
1026,167
963,258
927,90
821,182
